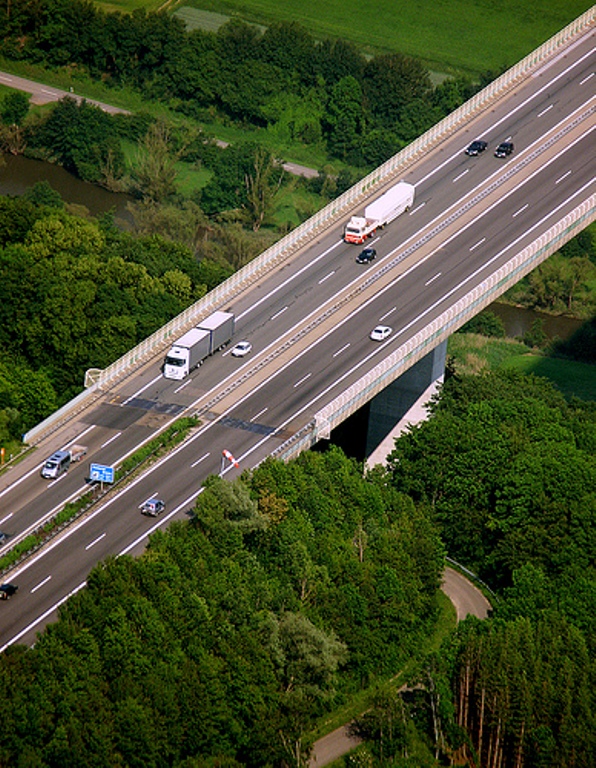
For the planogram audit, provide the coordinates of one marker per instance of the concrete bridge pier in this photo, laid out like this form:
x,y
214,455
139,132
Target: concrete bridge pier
x,y
402,403
369,433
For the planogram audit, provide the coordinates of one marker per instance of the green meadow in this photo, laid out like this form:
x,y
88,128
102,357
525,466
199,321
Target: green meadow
x,y
128,6
472,353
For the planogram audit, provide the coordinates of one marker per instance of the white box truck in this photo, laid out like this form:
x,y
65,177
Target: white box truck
x,y
186,353
380,212
221,329
190,350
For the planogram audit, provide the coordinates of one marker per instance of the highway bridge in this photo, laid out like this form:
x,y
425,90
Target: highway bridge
x,y
478,224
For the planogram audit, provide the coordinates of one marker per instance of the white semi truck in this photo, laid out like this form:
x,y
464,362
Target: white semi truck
x,y
195,345
380,212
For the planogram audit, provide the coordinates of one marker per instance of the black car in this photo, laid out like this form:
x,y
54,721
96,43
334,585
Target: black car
x,y
7,590
505,148
476,147
366,256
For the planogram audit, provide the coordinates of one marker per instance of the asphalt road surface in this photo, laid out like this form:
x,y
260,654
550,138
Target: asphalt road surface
x,y
43,94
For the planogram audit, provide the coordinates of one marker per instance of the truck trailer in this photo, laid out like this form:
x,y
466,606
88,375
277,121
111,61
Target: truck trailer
x,y
380,212
221,329
195,345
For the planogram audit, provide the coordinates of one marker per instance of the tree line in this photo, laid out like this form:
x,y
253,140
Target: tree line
x,y
303,90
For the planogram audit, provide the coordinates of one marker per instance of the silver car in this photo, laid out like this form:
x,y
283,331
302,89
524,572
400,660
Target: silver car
x,y
153,507
241,349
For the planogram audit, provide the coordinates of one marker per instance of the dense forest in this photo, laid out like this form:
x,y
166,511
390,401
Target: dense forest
x,y
223,644
296,586
78,293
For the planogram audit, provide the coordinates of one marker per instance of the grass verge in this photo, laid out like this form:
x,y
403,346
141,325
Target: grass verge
x,y
473,353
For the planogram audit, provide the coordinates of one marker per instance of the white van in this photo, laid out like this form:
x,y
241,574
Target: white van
x,y
56,465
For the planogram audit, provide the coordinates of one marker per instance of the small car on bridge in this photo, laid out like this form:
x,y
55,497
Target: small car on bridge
x,y
7,590
366,256
505,148
476,147
241,349
380,333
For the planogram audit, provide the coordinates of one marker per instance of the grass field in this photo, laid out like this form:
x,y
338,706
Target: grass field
x,y
128,6
474,353
468,35
571,378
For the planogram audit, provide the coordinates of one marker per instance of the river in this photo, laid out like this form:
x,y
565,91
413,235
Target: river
x,y
518,321
19,173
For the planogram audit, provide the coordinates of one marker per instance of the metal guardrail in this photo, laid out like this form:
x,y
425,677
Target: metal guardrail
x,y
224,293
473,577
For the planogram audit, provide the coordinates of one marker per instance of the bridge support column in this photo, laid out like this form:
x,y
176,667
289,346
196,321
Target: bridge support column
x,y
368,434
394,403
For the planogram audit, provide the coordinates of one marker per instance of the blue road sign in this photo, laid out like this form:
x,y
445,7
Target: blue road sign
x,y
101,474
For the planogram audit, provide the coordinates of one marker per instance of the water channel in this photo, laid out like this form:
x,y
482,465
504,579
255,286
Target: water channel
x,y
518,321
20,173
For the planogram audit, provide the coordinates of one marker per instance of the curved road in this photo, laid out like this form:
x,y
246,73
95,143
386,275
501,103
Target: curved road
x,y
467,600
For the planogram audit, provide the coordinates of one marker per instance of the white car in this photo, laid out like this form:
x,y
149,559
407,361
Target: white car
x,y
241,349
380,333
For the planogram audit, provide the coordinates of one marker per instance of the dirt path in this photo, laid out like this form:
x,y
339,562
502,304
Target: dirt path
x,y
467,599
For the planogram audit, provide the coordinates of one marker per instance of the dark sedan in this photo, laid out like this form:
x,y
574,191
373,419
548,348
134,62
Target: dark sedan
x,y
504,149
7,590
476,147
366,256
